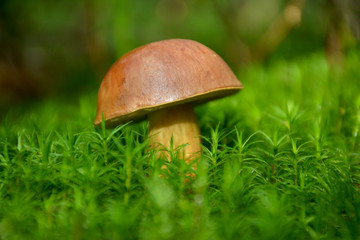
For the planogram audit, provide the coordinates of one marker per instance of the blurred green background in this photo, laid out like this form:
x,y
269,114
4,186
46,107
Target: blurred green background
x,y
64,48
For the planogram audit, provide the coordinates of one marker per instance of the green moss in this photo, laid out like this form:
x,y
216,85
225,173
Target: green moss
x,y
280,161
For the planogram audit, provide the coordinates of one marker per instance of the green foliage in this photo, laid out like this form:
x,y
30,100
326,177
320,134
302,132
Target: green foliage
x,y
280,161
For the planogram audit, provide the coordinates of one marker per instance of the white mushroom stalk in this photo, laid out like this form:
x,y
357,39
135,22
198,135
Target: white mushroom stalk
x,y
177,125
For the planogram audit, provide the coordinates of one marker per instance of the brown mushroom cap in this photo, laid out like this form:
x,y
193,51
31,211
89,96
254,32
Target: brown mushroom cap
x,y
162,74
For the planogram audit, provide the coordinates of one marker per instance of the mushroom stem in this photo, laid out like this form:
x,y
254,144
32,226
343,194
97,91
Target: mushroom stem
x,y
179,123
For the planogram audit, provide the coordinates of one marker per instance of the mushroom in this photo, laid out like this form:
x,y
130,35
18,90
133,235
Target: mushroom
x,y
163,80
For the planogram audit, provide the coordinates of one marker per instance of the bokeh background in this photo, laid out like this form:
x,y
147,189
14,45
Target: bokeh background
x,y
64,48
